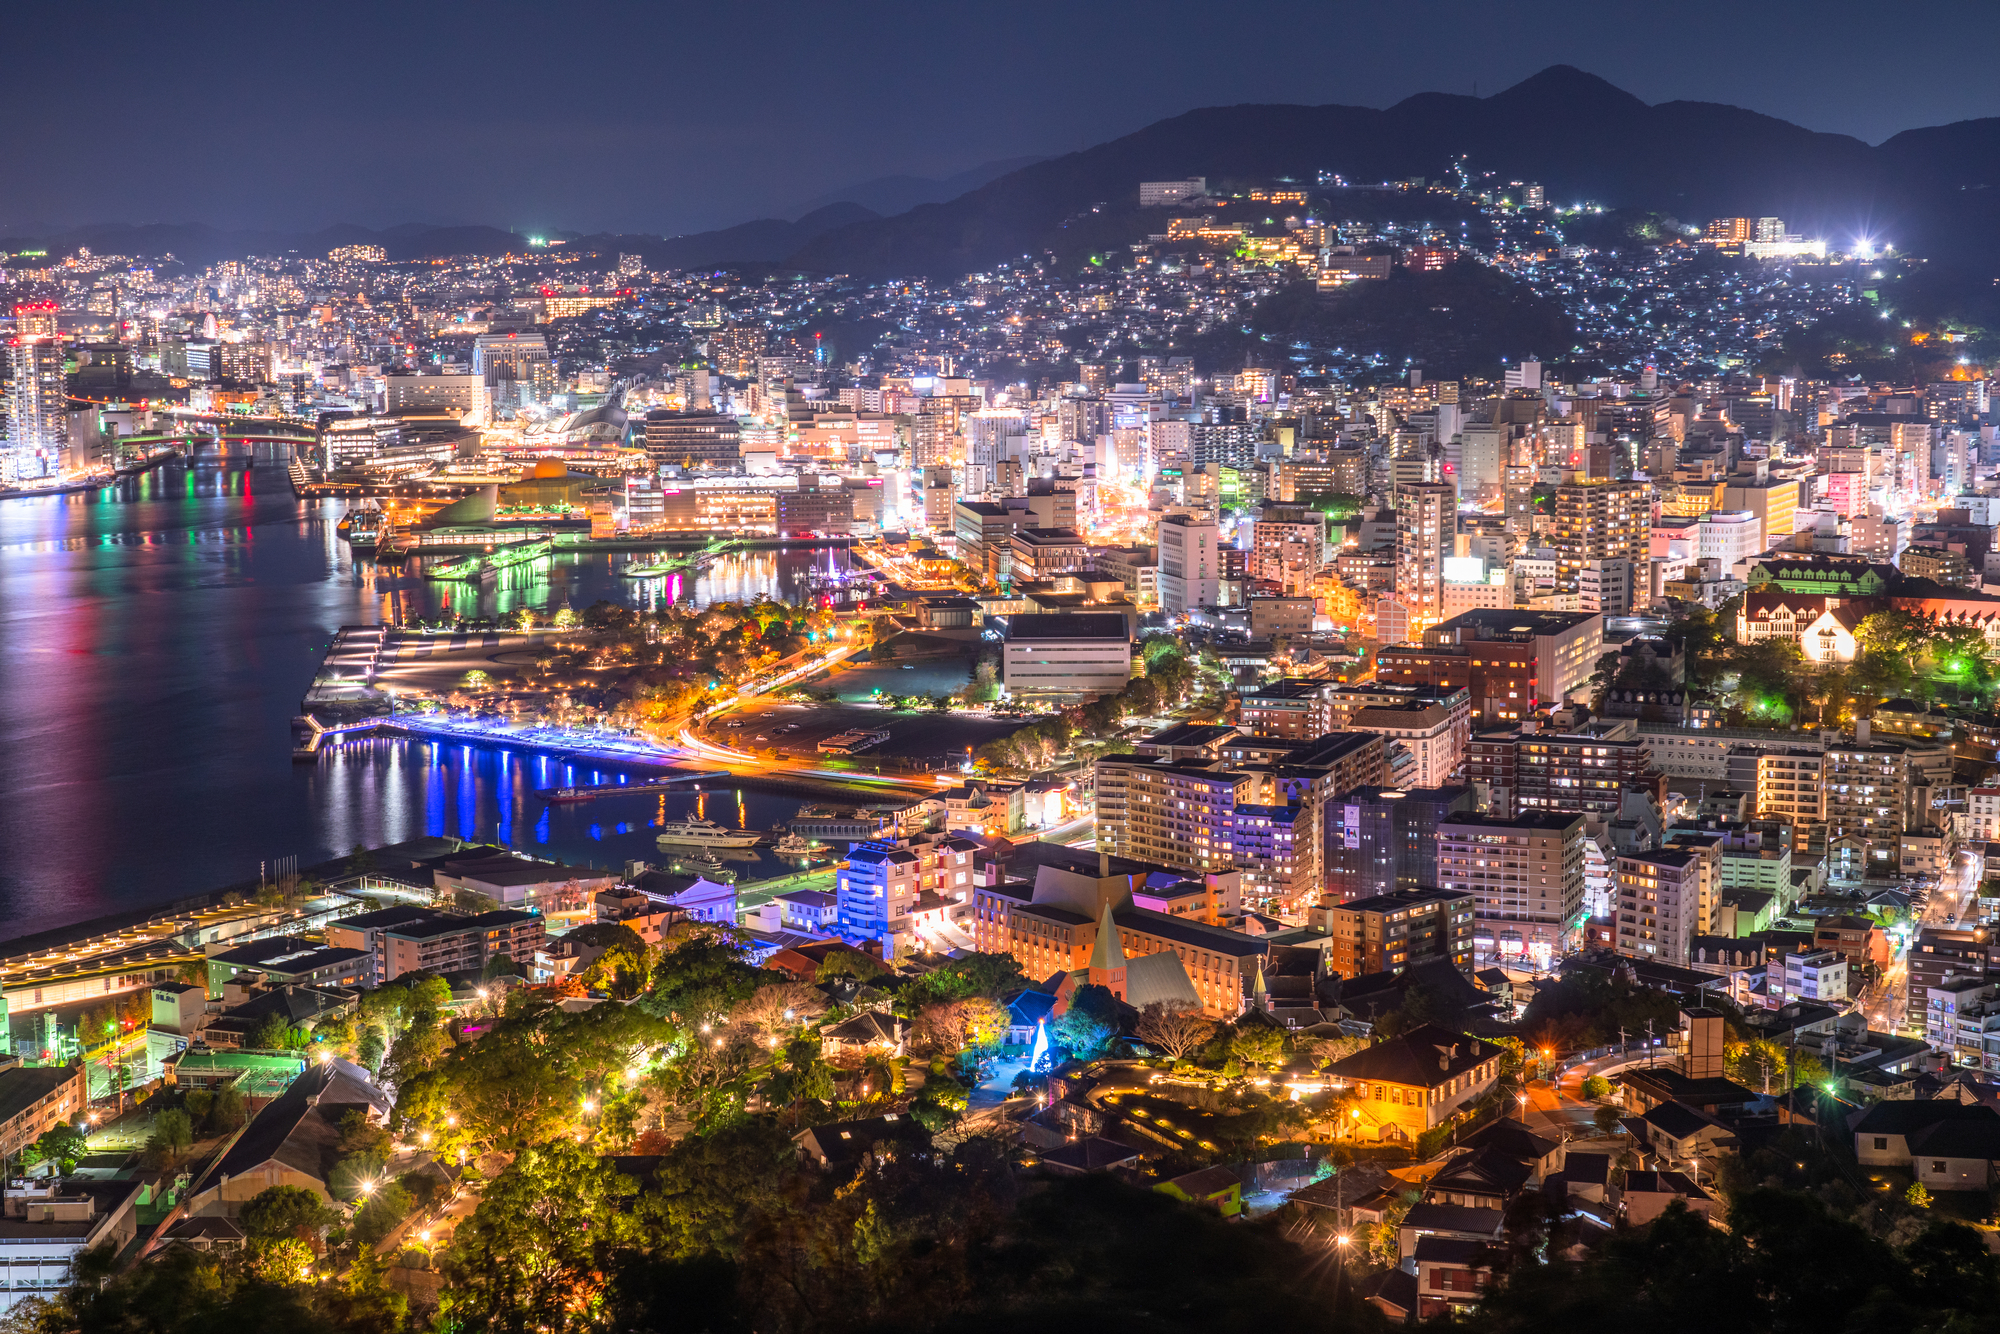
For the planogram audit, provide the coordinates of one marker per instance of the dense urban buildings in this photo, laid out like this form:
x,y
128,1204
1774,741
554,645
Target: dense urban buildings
x,y
1355,718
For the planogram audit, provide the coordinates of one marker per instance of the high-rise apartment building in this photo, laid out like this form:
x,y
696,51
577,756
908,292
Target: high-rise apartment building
x,y
1287,545
1520,773
1658,897
1172,813
1865,796
1426,523
1268,843
1525,874
37,426
1598,521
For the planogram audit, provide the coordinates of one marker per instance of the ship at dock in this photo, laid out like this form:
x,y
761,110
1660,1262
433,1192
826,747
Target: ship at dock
x,y
490,563
698,832
658,567
362,526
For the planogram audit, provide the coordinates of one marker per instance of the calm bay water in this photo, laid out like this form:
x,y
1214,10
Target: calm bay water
x,y
155,639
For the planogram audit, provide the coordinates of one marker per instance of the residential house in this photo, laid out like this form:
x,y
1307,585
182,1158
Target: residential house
x,y
1416,1081
1647,1194
1944,1143
1452,1274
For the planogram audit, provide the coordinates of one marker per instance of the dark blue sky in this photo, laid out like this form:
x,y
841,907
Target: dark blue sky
x,y
670,117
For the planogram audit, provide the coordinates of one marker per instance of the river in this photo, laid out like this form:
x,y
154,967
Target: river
x,y
155,639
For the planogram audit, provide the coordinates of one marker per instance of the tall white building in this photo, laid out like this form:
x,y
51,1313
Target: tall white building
x,y
1728,536
38,404
1190,565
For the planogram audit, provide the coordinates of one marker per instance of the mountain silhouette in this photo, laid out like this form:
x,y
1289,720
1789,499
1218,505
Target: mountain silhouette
x,y
1579,136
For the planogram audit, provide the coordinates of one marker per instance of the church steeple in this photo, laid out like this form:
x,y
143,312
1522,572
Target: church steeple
x,y
1107,956
1260,998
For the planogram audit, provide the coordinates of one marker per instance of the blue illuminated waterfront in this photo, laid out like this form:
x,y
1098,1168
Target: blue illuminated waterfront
x,y
155,639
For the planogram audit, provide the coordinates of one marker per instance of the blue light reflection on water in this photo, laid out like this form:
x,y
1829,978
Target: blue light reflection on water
x,y
155,639
480,791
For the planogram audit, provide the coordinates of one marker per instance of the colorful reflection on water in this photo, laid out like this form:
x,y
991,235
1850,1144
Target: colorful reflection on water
x,y
155,639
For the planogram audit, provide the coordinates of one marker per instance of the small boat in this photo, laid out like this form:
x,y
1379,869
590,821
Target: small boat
x,y
362,526
795,845
707,833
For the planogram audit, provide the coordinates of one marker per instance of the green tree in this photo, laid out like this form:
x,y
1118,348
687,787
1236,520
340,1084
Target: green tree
x,y
1090,1023
534,1253
1917,1197
172,1137
284,1211
1256,1042
63,1145
386,1206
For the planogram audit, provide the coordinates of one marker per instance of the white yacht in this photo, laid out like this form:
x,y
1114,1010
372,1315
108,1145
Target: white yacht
x,y
707,833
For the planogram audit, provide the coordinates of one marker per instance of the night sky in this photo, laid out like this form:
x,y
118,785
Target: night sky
x,y
667,117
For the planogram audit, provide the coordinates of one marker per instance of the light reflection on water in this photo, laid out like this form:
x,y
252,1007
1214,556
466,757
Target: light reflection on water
x,y
155,639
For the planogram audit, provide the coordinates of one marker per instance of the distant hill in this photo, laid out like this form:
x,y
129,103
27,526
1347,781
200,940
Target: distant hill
x,y
199,246
1577,135
765,239
890,195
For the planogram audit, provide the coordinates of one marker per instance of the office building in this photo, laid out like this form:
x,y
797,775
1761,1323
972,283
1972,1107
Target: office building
x,y
1069,656
463,395
1511,662
1432,733
1525,874
1381,838
515,368
1386,933
1190,564
694,440
1292,710
1047,553
984,531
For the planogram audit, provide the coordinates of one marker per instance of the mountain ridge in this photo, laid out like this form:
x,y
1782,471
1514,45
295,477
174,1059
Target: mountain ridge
x,y
1576,134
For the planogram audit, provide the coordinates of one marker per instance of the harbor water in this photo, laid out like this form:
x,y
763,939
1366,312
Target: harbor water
x,y
155,639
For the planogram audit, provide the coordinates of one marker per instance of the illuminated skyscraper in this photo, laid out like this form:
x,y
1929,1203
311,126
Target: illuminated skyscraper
x,y
37,404
515,367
